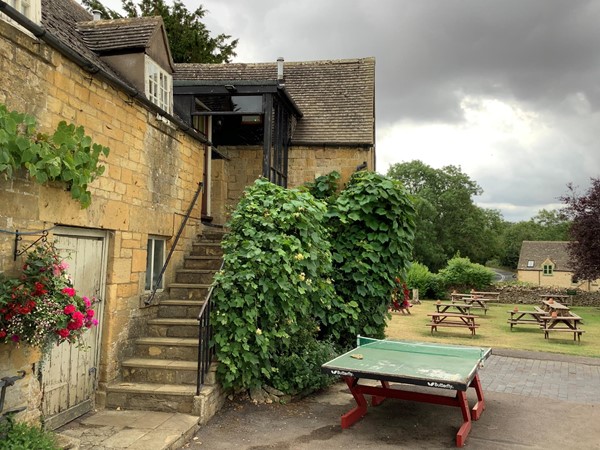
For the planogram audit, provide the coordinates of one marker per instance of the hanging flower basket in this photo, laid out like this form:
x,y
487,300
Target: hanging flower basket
x,y
41,307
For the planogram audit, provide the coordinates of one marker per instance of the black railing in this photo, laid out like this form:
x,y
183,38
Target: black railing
x,y
206,350
158,279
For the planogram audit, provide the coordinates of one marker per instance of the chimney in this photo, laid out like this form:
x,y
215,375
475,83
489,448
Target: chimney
x,y
280,78
97,15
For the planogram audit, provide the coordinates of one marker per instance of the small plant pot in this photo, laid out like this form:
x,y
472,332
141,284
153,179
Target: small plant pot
x,y
438,302
554,314
516,309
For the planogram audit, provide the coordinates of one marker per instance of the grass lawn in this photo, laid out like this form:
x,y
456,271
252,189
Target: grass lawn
x,y
494,332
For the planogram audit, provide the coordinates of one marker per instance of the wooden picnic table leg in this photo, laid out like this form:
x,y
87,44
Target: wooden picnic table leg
x,y
359,412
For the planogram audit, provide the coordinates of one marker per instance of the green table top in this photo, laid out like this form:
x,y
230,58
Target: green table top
x,y
433,365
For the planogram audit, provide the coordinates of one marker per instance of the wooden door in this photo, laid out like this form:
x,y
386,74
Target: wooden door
x,y
68,374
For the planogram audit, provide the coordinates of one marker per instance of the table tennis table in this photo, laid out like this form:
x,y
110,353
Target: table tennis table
x,y
435,366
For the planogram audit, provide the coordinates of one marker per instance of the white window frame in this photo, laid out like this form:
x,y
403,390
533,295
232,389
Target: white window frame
x,y
151,271
158,85
32,9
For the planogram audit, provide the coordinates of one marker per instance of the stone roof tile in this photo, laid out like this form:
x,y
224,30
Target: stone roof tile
x,y
540,251
337,97
106,35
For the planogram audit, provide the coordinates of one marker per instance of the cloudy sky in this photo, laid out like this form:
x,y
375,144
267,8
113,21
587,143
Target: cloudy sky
x,y
509,90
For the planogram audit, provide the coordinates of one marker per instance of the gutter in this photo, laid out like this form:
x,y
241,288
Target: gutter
x,y
94,69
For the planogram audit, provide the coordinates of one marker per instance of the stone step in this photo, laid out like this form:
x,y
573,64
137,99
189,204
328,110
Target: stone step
x,y
204,248
202,262
188,291
172,327
182,349
203,276
151,397
163,371
181,309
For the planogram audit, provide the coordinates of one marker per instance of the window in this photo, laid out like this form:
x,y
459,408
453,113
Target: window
x,y
154,261
29,8
530,263
548,269
158,86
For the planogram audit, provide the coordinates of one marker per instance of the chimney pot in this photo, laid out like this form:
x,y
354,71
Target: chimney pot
x,y
97,14
280,69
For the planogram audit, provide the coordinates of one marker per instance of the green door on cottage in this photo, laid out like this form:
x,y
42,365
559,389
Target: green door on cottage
x,y
68,374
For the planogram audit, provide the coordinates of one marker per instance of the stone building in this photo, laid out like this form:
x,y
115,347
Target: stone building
x,y
546,263
117,80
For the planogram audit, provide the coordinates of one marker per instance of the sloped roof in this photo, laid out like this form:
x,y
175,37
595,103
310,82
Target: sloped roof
x,y
337,97
105,35
59,18
540,251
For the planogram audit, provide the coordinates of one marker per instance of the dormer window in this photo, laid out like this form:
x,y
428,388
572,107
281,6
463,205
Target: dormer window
x,y
158,85
29,8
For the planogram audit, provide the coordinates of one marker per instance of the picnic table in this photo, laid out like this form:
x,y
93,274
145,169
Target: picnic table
x,y
551,306
461,308
562,298
469,299
448,319
433,366
486,295
530,317
562,323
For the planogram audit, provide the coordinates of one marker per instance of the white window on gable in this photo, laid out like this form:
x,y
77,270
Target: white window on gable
x,y
158,85
530,263
29,8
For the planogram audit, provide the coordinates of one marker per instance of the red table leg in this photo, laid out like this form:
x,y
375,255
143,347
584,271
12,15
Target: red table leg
x,y
357,413
377,400
465,428
479,407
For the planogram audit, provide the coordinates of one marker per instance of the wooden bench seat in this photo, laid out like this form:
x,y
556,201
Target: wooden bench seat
x,y
434,325
576,333
524,321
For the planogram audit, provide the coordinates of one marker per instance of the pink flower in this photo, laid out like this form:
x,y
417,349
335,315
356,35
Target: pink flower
x,y
63,265
69,291
69,309
87,302
90,313
15,338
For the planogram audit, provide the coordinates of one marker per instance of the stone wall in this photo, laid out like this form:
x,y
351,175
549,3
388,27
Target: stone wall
x,y
150,179
244,165
531,295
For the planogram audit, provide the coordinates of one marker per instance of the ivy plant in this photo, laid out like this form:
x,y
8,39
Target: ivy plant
x,y
373,227
66,155
275,293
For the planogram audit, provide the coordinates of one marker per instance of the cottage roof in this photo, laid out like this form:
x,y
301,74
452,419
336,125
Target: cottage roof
x,y
337,97
104,36
540,251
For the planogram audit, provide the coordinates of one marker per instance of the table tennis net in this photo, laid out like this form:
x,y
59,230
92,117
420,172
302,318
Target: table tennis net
x,y
477,353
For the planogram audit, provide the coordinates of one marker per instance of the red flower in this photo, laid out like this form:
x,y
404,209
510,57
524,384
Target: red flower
x,y
69,309
2,334
15,338
90,313
69,291
39,289
63,333
77,316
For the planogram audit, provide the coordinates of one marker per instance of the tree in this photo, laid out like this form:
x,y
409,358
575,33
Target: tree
x,y
448,221
189,39
584,248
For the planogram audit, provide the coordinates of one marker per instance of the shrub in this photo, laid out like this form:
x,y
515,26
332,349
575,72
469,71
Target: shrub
x,y
372,223
462,274
16,435
430,285
275,293
325,186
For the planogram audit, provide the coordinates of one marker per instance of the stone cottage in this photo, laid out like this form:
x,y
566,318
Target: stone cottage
x,y
184,141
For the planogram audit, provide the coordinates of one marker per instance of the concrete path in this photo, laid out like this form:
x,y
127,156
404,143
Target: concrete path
x,y
534,401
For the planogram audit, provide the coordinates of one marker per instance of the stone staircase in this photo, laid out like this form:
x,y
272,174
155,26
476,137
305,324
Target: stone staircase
x,y
162,375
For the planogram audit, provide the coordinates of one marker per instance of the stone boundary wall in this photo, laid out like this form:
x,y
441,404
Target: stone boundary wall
x,y
530,295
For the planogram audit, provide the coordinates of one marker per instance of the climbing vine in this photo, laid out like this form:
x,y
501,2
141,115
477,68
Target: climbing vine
x,y
66,155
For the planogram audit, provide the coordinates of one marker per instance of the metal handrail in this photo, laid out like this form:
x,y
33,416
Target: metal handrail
x,y
150,298
206,351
